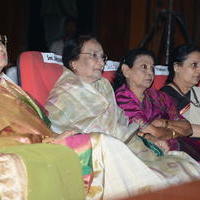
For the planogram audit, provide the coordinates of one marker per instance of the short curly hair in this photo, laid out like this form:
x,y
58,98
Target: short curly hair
x,y
72,49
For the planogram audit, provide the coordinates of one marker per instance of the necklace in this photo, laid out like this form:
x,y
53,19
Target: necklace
x,y
196,103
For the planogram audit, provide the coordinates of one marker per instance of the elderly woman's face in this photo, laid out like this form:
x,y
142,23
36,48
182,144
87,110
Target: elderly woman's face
x,y
90,62
141,75
3,56
189,70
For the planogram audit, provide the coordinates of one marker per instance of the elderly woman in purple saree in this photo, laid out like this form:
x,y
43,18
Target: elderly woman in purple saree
x,y
155,105
163,126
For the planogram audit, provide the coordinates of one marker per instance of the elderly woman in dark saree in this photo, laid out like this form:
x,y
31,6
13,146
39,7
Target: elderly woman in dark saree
x,y
83,101
183,78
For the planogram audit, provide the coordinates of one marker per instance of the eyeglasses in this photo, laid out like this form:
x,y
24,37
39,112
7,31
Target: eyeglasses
x,y
3,39
96,56
193,65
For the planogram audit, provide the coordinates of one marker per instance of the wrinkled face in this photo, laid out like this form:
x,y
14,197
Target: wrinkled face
x,y
141,75
3,56
90,62
189,71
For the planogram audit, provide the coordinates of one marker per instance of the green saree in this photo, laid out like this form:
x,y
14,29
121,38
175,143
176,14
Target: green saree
x,y
40,171
33,171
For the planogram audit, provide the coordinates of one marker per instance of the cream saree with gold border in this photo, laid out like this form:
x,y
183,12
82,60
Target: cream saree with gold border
x,y
91,108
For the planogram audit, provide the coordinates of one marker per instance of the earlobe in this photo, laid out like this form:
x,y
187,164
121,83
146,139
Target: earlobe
x,y
125,70
73,65
176,67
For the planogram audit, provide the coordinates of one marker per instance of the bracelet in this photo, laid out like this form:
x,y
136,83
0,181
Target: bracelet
x,y
173,134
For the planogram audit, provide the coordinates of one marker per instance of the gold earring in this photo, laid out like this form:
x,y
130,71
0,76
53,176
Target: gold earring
x,y
74,69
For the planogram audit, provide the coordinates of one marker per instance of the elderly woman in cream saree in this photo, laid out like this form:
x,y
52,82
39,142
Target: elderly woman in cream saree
x,y
83,101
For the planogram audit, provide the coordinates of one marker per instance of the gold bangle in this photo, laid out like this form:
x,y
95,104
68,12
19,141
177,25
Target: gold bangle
x,y
173,134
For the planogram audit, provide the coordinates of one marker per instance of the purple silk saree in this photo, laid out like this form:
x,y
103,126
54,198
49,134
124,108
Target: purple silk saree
x,y
155,105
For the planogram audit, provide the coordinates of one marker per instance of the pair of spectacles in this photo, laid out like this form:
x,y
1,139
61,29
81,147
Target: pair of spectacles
x,y
96,56
195,65
3,39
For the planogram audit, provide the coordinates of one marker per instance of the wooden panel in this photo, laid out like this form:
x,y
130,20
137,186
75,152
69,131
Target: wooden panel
x,y
122,25
137,22
14,23
113,26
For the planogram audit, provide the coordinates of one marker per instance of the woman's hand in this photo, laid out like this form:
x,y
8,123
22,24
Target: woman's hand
x,y
160,123
160,143
148,129
182,127
58,138
158,132
24,138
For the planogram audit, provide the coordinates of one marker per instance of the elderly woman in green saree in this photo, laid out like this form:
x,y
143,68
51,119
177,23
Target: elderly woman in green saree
x,y
84,102
31,170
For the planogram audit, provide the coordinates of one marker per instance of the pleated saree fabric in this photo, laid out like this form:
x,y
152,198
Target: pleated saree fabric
x,y
92,109
31,171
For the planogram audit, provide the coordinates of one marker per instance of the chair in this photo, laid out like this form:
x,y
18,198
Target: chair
x,y
12,73
110,69
38,73
161,74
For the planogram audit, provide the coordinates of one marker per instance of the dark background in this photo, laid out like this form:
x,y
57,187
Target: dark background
x,y
119,25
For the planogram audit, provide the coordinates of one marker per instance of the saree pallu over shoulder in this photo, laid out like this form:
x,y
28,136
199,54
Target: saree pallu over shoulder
x,y
184,103
186,107
155,105
193,113
16,91
18,117
76,105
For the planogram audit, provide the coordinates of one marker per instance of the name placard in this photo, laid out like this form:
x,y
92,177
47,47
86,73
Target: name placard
x,y
52,58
